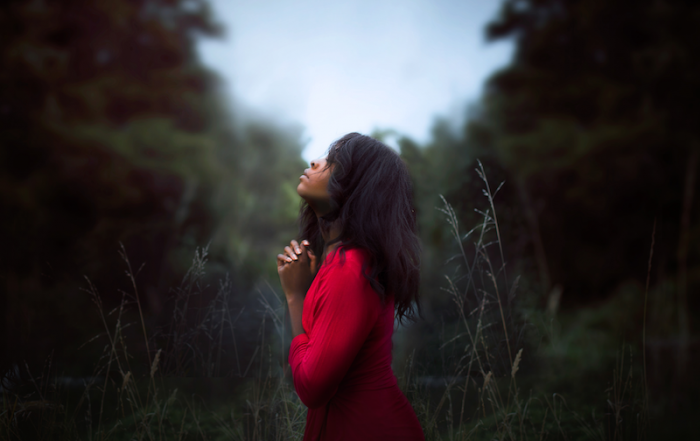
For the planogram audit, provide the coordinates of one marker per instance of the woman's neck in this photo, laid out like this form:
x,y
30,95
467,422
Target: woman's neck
x,y
332,233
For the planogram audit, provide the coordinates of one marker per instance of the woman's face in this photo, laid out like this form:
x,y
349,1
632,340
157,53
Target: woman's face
x,y
313,186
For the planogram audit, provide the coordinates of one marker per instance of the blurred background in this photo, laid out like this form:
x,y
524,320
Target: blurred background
x,y
150,152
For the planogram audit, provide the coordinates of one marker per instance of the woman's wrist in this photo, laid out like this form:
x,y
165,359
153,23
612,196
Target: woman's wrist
x,y
296,296
296,307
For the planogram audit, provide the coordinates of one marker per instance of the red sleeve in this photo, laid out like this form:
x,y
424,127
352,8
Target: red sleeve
x,y
344,311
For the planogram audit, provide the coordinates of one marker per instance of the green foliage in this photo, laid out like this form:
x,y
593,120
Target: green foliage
x,y
446,166
590,129
114,132
594,117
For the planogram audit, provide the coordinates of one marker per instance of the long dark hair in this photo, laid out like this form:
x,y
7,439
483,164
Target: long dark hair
x,y
372,197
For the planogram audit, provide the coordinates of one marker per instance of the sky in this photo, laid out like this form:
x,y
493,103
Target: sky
x,y
355,66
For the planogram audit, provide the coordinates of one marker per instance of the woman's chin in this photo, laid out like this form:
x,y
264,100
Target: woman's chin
x,y
301,191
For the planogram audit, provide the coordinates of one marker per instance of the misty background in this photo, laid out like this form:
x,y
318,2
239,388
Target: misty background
x,y
335,68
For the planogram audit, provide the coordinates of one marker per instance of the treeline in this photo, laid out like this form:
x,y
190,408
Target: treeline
x,y
593,128
114,133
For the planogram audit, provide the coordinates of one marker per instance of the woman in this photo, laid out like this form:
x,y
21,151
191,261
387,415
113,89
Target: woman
x,y
357,215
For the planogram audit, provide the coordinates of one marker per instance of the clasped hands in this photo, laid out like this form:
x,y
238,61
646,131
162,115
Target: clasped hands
x,y
297,268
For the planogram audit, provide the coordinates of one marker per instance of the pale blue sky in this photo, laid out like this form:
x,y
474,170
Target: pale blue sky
x,y
337,67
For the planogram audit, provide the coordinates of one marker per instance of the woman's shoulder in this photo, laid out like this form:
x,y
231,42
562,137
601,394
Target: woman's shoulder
x,y
343,270
343,255
345,262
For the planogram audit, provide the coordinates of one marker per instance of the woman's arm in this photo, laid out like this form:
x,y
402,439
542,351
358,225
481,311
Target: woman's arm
x,y
296,269
296,305
344,311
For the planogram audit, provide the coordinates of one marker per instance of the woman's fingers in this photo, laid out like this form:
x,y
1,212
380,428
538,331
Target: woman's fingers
x,y
312,257
291,253
306,246
304,253
295,252
282,260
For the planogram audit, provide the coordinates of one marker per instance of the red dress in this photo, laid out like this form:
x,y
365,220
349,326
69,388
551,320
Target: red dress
x,y
342,365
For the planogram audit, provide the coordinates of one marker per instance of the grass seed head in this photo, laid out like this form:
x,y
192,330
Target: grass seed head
x,y
127,377
154,366
487,379
516,363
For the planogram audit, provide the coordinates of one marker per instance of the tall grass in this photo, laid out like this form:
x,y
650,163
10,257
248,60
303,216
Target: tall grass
x,y
138,395
482,394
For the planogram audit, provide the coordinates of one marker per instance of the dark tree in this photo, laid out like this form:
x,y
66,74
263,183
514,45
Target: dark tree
x,y
596,119
112,131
